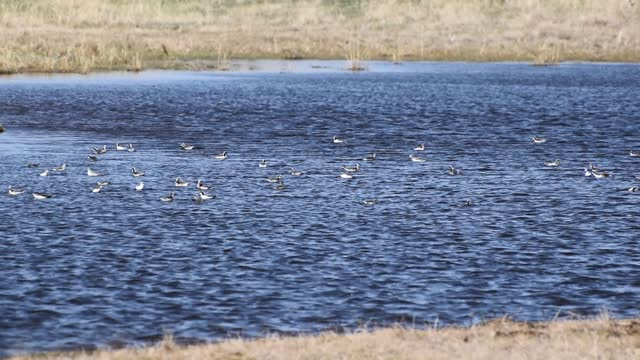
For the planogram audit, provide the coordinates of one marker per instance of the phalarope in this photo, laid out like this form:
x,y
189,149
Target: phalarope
x,y
180,183
100,151
600,175
140,186
554,163
200,185
420,147
295,172
263,163
92,158
136,172
370,157
337,140
185,146
33,165
97,189
205,196
222,156
168,198
274,179
633,189
60,168
130,148
465,204
415,158
370,202
45,173
346,176
453,171
15,191
634,153
102,183
539,140
90,172
120,147
355,168
41,196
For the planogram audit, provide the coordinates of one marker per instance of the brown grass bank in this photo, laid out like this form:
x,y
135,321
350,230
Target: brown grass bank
x,y
602,338
87,35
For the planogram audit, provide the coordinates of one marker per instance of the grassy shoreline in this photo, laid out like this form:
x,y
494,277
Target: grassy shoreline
x,y
600,338
93,35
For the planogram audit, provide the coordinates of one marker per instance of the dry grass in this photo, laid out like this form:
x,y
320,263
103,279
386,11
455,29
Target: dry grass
x,y
87,35
601,338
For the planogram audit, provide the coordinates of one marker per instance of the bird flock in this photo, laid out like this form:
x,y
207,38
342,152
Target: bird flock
x,y
203,190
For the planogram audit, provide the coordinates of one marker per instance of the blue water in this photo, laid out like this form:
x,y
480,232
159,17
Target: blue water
x,y
83,270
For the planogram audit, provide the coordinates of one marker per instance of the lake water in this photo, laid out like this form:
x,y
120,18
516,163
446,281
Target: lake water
x,y
121,267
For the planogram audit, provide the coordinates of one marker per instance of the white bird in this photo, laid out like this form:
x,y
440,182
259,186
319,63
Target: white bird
x,y
370,157
638,177
205,196
99,151
295,172
465,204
346,176
168,198
45,173
275,179
198,199
15,191
539,140
97,189
634,153
355,168
180,183
222,156
634,189
337,140
60,168
41,196
140,186
90,172
587,172
186,146
263,163
130,148
120,147
600,175
593,167
103,183
453,171
420,147
200,185
370,202
554,163
136,173
417,159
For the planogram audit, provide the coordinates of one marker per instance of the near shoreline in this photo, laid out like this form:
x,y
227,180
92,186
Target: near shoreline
x,y
51,36
600,338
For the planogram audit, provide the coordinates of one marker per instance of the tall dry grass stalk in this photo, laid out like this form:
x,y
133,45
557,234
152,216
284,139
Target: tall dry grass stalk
x,y
87,35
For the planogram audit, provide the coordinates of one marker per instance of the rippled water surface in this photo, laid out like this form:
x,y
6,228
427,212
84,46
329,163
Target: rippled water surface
x,y
121,267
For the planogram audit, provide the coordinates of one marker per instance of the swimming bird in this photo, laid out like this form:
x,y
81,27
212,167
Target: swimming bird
x,y
200,185
346,176
539,140
222,156
453,171
140,186
60,168
180,183
465,204
416,158
15,191
100,151
92,158
600,175
205,196
120,147
420,147
337,140
168,198
370,157
280,186
130,148
41,196
90,172
263,163
554,163
587,172
33,165
198,199
355,168
593,167
370,202
295,172
633,189
97,189
274,179
103,183
45,173
186,146
136,173
634,153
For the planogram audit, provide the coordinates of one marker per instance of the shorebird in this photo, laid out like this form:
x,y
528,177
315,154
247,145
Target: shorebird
x,y
454,171
346,176
102,183
370,202
263,163
92,158
539,140
416,158
370,157
198,199
120,147
465,204
205,196
587,172
275,179
420,147
60,168
186,146
634,153
130,148
295,172
136,173
200,185
552,163
41,196
140,186
15,191
180,183
222,156
168,198
355,168
600,175
45,173
92,173
97,189
337,140
592,167
100,151
633,189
